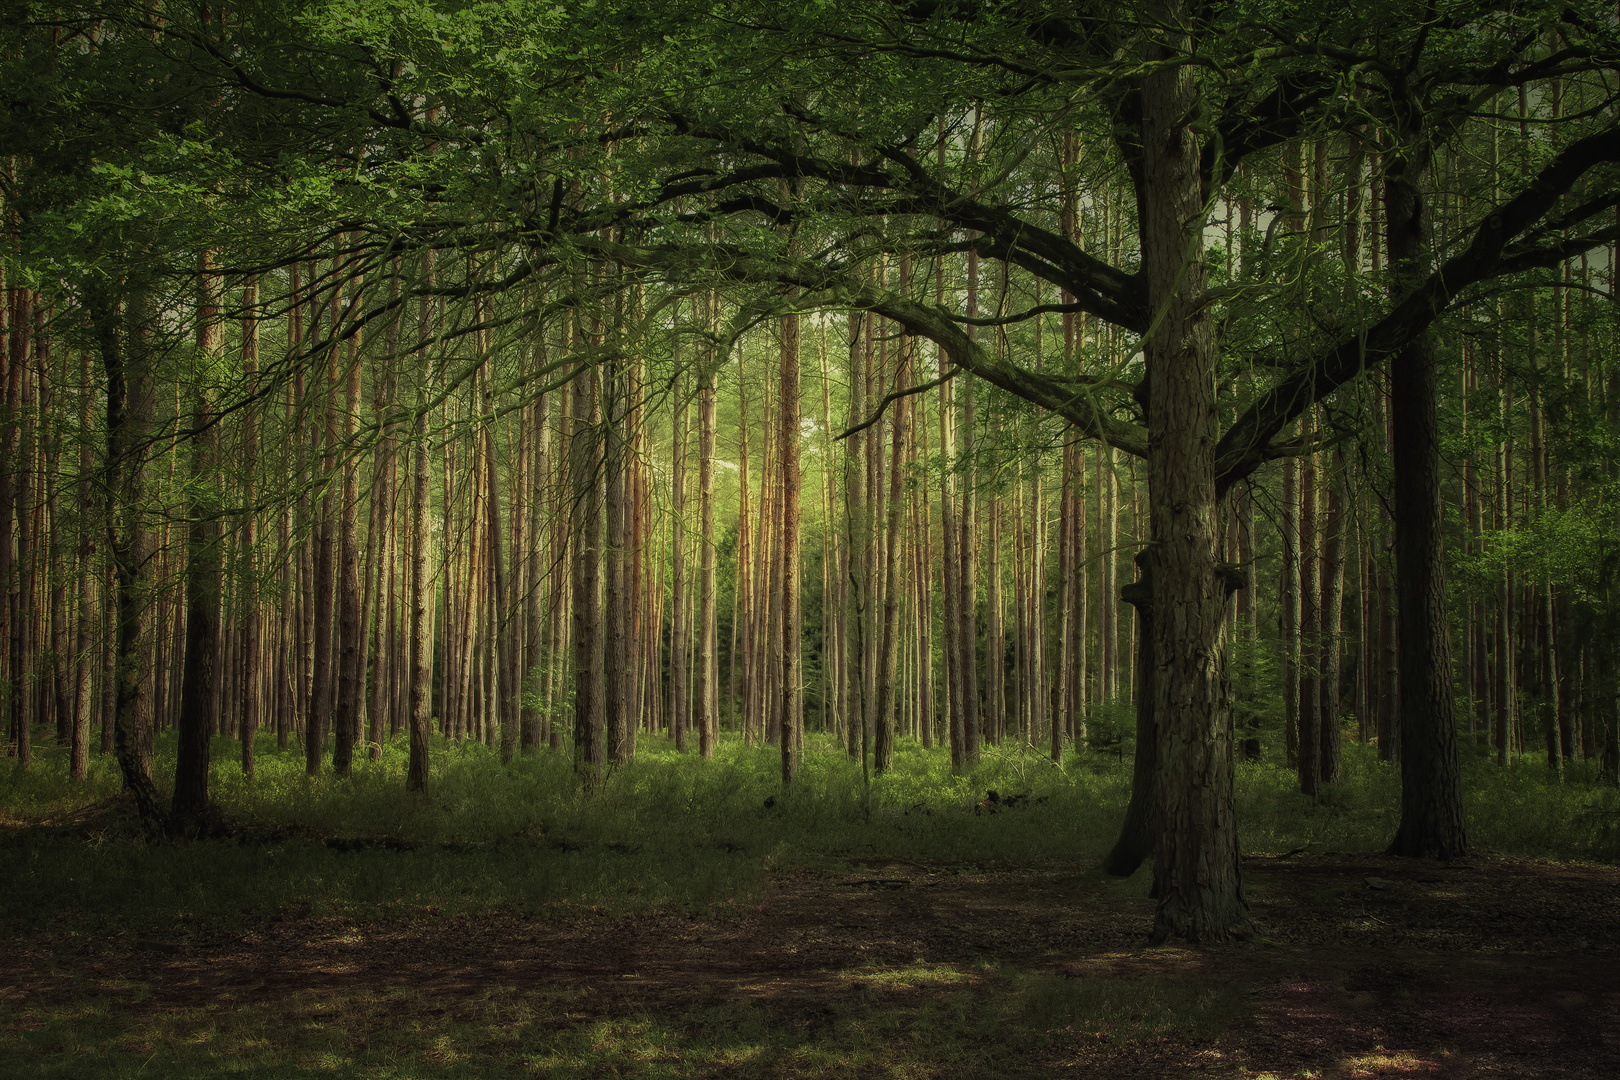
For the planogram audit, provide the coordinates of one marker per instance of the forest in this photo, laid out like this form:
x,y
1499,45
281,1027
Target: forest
x,y
582,476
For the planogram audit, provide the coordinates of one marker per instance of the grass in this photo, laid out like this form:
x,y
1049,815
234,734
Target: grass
x,y
666,833
1519,811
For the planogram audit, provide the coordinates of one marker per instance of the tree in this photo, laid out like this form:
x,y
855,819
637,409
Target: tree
x,y
1197,94
203,557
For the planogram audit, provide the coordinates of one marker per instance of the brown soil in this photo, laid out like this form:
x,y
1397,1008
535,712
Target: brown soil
x,y
1365,966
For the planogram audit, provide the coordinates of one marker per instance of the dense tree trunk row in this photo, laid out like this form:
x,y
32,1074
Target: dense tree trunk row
x,y
966,611
380,541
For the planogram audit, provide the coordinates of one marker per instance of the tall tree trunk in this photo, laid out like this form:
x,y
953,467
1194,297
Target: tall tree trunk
x,y
11,371
789,720
967,612
1138,834
616,640
924,530
1108,631
1431,823
565,547
382,606
1330,742
678,670
420,632
203,535
1309,757
17,581
1200,884
351,675
251,616
742,615
883,751
1072,651
542,568
589,726
1289,615
129,418
89,613
858,527
504,645
319,713
707,695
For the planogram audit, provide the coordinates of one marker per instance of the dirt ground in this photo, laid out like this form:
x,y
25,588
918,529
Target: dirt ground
x,y
1365,966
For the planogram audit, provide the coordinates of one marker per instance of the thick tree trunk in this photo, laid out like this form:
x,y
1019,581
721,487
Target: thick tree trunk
x,y
1431,823
1199,880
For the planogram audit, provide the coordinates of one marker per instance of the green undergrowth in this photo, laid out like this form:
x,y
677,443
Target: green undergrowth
x,y
669,831
922,1020
1522,810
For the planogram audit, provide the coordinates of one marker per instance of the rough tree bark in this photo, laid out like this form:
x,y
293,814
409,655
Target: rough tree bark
x,y
1431,823
421,641
129,415
199,678
789,721
1199,881
883,749
586,482
708,698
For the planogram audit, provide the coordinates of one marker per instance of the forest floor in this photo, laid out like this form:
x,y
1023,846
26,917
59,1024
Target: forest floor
x,y
1363,966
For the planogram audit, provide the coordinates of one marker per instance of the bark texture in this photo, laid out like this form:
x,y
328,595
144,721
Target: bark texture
x,y
1431,781
1197,873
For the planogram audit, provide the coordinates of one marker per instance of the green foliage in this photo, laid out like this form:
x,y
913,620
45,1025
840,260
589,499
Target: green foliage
x,y
1521,811
669,831
1358,814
